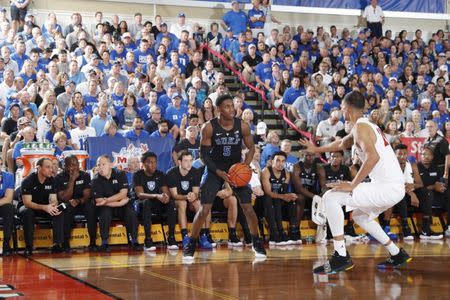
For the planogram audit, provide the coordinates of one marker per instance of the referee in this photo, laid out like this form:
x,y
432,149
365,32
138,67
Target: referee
x,y
374,16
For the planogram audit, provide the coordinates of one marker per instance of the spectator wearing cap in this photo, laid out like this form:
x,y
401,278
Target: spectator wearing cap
x,y
425,111
128,42
63,99
374,16
236,19
137,24
249,63
165,33
175,112
19,10
227,42
180,25
364,65
117,75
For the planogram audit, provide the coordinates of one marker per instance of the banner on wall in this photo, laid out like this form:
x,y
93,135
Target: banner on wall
x,y
415,146
417,6
120,148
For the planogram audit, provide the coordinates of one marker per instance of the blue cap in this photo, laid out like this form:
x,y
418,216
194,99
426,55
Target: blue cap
x,y
175,95
364,56
315,41
172,85
68,82
181,15
229,29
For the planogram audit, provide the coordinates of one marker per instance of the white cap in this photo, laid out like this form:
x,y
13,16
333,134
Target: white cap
x,y
261,128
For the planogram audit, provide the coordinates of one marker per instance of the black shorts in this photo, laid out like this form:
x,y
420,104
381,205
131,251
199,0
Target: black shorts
x,y
18,14
212,184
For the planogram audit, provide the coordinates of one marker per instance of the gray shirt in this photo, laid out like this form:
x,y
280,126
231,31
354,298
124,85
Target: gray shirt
x,y
303,104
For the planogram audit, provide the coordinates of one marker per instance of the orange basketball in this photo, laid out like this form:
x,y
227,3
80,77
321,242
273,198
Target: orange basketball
x,y
240,174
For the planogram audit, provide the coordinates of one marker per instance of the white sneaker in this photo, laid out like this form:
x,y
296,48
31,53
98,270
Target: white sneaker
x,y
431,236
408,238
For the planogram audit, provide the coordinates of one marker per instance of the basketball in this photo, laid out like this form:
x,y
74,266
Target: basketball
x,y
240,174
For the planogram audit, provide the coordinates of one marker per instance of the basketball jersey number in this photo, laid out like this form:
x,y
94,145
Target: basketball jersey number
x,y
226,150
386,142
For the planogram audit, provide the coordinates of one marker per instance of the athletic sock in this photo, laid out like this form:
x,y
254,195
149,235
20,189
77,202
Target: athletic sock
x,y
339,246
392,248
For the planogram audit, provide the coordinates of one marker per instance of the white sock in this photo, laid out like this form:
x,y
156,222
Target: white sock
x,y
339,246
392,248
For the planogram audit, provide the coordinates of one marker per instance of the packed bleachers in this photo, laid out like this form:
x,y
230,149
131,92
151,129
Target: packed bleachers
x,y
62,85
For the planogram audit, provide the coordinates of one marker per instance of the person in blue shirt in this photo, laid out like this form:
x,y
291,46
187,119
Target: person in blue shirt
x,y
291,160
105,64
256,16
163,130
19,55
270,148
128,43
227,41
28,134
60,141
263,70
6,209
364,65
119,52
137,132
175,112
293,92
236,19
144,50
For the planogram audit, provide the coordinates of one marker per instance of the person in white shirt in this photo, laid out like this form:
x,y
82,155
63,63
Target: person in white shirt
x,y
327,129
9,63
181,25
82,132
374,16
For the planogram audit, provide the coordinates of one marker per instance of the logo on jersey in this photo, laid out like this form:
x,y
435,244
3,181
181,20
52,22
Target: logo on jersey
x,y
47,187
185,185
151,185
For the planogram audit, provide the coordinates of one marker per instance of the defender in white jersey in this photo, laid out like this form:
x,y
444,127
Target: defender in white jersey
x,y
366,199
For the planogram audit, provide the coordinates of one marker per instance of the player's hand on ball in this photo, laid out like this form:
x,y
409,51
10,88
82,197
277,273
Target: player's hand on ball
x,y
341,186
224,176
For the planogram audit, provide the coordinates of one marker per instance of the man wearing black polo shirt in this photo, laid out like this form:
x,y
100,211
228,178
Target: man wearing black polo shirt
x,y
73,187
151,189
39,200
439,145
6,209
110,189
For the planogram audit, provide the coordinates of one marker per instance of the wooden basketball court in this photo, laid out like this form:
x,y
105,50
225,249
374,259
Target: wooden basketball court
x,y
227,274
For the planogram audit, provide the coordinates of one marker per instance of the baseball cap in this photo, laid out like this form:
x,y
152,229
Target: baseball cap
x,y
163,24
172,85
23,121
181,15
443,68
176,95
234,1
195,79
442,54
14,104
392,78
160,57
424,100
261,128
251,45
126,34
229,29
68,82
364,56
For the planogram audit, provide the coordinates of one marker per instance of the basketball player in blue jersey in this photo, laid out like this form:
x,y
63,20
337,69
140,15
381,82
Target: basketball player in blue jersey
x,y
220,148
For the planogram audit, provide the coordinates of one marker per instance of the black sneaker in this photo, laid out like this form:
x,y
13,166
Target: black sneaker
x,y
395,261
258,248
104,248
28,251
7,251
294,236
149,246
233,240
189,249
407,236
136,247
335,264
57,249
172,243
92,248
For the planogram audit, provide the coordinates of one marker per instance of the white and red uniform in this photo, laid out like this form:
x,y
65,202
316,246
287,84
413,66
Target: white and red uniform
x,y
387,186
